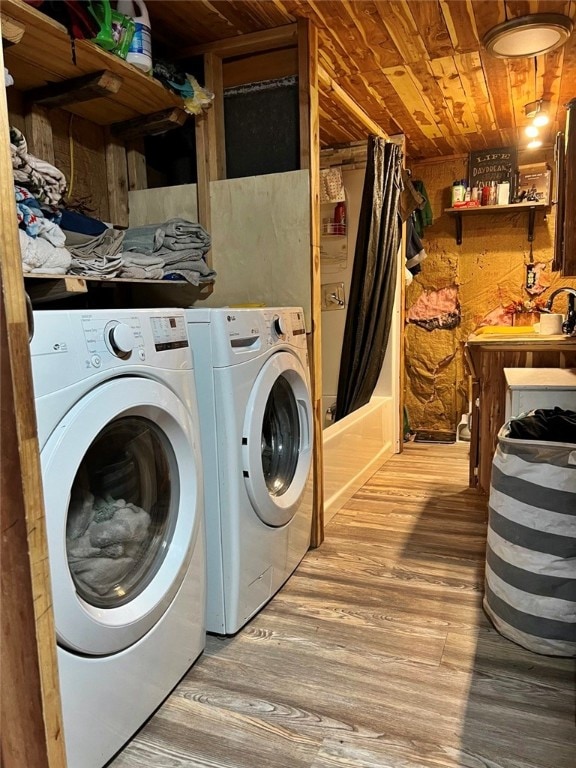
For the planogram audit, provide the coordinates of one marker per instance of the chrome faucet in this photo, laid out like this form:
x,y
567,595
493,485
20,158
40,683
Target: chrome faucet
x,y
569,324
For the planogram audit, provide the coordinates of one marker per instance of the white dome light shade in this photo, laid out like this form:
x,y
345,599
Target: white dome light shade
x,y
531,131
528,36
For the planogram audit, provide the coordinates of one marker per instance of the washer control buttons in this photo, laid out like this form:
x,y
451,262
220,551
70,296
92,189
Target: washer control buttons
x,y
279,325
96,361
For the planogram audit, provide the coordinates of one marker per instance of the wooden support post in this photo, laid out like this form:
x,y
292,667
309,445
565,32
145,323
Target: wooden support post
x,y
149,125
39,133
203,139
310,158
215,117
136,157
76,90
117,177
31,720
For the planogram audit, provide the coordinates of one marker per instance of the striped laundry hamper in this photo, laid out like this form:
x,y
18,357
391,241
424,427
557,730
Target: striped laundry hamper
x,y
530,590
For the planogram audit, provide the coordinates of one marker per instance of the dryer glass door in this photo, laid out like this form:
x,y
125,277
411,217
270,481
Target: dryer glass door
x,y
277,439
123,509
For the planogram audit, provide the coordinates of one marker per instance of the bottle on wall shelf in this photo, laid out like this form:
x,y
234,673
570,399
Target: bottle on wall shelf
x,y
340,218
140,51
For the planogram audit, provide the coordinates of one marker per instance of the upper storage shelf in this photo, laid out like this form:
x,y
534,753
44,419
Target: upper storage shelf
x,y
486,209
44,55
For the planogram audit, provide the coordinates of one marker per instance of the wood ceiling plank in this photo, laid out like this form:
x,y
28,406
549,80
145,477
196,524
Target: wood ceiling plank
x,y
487,15
332,60
473,80
431,25
522,91
359,32
407,88
177,24
447,76
459,16
498,84
402,28
550,68
381,94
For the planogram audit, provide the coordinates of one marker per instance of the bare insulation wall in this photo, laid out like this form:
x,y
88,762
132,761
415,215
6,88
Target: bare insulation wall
x,y
488,271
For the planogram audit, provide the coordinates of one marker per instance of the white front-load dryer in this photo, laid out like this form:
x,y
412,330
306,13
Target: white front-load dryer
x,y
256,422
122,477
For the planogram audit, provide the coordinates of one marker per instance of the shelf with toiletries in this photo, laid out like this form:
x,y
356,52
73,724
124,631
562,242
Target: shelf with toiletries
x,y
531,208
45,54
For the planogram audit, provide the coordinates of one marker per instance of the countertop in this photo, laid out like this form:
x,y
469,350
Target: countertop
x,y
528,341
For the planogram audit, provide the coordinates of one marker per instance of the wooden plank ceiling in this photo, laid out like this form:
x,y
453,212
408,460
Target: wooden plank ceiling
x,y
414,66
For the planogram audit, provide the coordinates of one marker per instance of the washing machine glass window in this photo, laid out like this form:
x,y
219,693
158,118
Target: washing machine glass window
x,y
122,420
277,439
280,437
122,512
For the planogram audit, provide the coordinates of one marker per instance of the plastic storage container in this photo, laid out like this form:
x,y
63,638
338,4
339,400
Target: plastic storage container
x,y
140,51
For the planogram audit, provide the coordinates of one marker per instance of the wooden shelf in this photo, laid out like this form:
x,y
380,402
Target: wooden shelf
x,y
485,209
54,287
44,55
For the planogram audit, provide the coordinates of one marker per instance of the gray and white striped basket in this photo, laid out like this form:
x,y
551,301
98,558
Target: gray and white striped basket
x,y
530,591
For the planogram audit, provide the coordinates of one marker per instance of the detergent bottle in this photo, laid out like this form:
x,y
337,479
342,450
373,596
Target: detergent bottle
x,y
140,52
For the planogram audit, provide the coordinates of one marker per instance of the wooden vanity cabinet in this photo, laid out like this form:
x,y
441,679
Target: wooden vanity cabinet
x,y
486,359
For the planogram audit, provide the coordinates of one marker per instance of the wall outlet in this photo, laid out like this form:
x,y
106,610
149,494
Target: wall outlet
x,y
333,296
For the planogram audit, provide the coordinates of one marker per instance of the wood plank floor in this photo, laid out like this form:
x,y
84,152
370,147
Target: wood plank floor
x,y
376,654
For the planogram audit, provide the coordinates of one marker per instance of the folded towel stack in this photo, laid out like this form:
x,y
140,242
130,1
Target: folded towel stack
x,y
179,243
96,256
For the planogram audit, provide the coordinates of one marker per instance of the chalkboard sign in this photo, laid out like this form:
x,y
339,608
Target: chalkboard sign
x,y
496,164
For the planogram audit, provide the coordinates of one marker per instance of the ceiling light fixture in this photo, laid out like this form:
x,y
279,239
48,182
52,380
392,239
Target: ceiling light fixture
x,y
527,36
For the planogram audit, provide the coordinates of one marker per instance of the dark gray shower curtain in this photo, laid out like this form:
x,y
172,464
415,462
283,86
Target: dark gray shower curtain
x,y
373,283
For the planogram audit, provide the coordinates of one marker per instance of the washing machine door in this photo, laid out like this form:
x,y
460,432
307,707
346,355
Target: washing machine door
x,y
123,499
277,439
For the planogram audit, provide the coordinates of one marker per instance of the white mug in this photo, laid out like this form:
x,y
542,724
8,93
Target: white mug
x,y
551,325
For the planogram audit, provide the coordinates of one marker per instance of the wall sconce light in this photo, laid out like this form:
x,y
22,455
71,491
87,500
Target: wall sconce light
x,y
531,131
538,112
527,36
534,144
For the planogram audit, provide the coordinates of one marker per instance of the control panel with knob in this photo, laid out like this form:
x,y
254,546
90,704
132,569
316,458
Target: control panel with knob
x,y
279,325
120,339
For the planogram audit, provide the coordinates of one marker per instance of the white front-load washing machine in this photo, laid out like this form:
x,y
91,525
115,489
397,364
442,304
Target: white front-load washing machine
x,y
256,420
122,477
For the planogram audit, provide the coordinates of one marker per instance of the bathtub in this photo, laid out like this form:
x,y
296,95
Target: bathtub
x,y
354,448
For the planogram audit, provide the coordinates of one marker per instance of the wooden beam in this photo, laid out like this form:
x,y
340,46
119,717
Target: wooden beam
x,y
76,90
213,80
310,158
117,180
203,140
149,125
266,40
12,30
32,733
332,89
136,159
50,290
269,65
39,133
